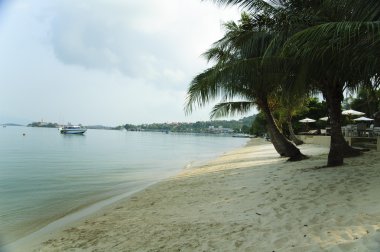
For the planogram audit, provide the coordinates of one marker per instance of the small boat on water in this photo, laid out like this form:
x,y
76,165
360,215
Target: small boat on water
x,y
72,129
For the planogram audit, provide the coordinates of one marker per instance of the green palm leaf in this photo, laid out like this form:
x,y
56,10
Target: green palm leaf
x,y
231,108
250,4
350,50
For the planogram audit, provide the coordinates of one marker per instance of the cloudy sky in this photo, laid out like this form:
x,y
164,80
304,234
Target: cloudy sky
x,y
104,62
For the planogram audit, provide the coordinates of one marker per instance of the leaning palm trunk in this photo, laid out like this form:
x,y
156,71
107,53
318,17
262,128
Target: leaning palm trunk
x,y
282,145
339,148
293,136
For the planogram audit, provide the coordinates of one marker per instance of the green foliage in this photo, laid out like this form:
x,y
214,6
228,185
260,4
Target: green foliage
x,y
314,109
259,125
339,45
240,71
223,109
367,101
331,45
245,129
129,127
43,125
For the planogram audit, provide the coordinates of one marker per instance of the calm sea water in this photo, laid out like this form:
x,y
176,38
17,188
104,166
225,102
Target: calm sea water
x,y
45,175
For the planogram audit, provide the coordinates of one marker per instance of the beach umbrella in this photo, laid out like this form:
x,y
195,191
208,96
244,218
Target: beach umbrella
x,y
306,120
364,119
351,112
326,118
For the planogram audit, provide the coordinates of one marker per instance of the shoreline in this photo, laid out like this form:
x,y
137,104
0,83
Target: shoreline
x,y
69,219
248,199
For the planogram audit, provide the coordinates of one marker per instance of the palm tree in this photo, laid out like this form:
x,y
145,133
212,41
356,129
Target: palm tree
x,y
367,100
289,105
341,52
336,45
240,71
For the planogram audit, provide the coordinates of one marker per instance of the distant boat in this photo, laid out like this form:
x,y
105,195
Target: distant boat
x,y
72,129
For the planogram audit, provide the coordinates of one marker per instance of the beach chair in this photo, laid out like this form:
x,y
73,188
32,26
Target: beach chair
x,y
351,130
361,129
369,131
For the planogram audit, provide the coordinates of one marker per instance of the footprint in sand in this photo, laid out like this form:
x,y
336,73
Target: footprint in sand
x,y
283,206
349,198
280,242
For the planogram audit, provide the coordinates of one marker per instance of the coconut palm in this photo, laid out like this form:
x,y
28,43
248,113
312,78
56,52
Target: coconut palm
x,y
241,72
342,52
367,100
289,106
336,45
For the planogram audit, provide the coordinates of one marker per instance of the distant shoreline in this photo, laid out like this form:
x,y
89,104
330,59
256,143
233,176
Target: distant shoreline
x,y
11,124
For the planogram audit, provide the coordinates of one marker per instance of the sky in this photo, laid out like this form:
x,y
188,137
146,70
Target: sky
x,y
106,62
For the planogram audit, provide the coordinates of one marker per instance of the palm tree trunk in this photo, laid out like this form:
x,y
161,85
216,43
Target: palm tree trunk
x,y
282,145
293,136
339,148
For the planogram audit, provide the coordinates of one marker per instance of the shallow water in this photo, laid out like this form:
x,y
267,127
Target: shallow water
x,y
45,175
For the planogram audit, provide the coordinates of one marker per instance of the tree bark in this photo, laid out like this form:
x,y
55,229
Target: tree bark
x,y
282,145
339,148
293,136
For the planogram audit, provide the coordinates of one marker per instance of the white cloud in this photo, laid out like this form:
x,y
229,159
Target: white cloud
x,y
139,38
104,61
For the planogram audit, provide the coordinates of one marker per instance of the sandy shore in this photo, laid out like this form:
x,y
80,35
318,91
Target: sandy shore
x,y
246,200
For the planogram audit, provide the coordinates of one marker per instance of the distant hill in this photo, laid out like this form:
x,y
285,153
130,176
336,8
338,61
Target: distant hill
x,y
103,127
218,126
56,125
43,124
11,124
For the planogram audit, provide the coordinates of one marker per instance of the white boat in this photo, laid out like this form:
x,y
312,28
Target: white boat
x,y
72,129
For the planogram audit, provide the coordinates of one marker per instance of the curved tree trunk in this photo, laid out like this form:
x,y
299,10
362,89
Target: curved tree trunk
x,y
282,145
293,136
339,148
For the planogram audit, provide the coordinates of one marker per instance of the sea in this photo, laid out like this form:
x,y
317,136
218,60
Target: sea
x,y
46,176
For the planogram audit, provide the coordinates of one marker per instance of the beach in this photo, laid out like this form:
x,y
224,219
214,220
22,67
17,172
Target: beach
x,y
248,199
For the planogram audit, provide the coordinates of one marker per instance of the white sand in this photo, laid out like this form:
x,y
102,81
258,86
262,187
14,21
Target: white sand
x,y
247,200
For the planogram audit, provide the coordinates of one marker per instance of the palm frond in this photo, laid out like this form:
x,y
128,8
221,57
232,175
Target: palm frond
x,y
203,88
251,4
223,109
350,10
318,40
218,54
339,47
